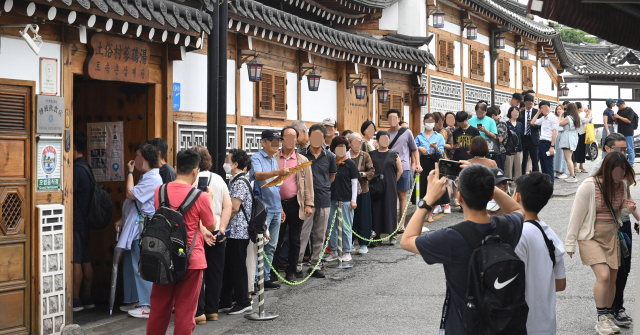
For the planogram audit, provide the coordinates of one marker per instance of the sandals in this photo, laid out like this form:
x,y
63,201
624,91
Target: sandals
x,y
401,230
583,171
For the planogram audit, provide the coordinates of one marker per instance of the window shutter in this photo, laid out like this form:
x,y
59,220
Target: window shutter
x,y
450,57
265,89
507,69
481,64
13,109
530,77
280,95
383,108
524,76
499,71
473,61
397,103
442,55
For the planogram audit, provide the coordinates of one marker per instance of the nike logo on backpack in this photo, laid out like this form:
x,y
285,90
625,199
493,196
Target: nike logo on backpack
x,y
498,285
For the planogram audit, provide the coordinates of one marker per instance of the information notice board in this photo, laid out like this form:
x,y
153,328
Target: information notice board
x,y
49,165
105,148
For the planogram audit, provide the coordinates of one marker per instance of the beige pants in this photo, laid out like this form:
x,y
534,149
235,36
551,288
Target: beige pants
x,y
318,221
252,256
513,162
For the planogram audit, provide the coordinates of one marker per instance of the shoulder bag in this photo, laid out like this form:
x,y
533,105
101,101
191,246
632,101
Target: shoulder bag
x,y
624,248
359,165
377,185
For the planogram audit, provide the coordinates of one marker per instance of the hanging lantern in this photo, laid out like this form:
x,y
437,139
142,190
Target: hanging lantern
x,y
500,40
544,60
564,91
472,31
361,90
254,68
422,97
524,52
438,18
313,79
383,94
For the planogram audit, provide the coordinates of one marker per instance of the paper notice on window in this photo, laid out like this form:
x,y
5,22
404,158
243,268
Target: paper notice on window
x,y
105,149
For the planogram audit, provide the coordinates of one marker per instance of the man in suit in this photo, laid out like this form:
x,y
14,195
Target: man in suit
x,y
530,135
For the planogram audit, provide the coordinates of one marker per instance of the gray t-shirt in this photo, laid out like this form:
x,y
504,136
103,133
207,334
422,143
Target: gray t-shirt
x,y
404,146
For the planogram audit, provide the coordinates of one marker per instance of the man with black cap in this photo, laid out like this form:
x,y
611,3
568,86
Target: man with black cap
x,y
627,122
264,169
516,98
501,182
530,135
549,125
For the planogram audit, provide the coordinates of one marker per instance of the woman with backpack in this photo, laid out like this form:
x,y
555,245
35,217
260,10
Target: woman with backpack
x,y
388,170
570,122
594,224
234,280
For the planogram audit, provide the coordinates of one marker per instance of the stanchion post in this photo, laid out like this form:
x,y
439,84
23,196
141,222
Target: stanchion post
x,y
340,264
262,315
417,188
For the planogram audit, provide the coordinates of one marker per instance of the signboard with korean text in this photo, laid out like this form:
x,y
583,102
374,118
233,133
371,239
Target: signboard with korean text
x,y
105,150
176,96
118,59
48,76
49,165
49,114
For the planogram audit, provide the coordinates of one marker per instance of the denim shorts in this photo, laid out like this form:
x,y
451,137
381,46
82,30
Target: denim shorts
x,y
404,183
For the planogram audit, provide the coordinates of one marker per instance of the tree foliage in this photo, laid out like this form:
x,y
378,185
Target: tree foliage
x,y
575,36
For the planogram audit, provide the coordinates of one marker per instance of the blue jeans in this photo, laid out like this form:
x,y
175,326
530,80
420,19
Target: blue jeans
x,y
631,152
135,288
273,224
347,218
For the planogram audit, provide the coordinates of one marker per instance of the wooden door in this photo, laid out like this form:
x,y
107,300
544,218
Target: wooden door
x,y
102,101
15,223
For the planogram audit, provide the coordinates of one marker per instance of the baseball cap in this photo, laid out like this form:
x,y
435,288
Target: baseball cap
x,y
329,122
499,175
271,134
610,101
619,102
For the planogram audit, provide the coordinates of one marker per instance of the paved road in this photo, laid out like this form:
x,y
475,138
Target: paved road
x,y
392,291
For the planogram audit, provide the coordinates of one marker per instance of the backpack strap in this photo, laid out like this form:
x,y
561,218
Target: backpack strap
x,y
470,234
87,168
244,212
163,196
547,241
395,139
191,199
503,229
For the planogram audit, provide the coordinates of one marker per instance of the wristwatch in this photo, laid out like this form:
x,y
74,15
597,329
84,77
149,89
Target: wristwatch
x,y
423,204
130,172
553,145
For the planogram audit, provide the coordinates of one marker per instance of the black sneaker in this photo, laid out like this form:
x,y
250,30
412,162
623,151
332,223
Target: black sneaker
x,y
290,277
299,275
77,305
621,318
225,308
87,303
269,285
317,274
237,309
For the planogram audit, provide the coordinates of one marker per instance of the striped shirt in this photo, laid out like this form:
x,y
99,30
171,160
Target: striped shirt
x,y
603,214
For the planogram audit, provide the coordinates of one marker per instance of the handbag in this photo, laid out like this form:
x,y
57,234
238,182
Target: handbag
x,y
590,133
494,146
377,186
141,220
624,248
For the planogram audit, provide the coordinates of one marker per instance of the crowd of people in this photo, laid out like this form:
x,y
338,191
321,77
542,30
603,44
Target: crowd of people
x,y
501,149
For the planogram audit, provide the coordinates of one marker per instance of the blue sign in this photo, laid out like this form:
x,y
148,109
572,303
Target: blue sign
x,y
176,96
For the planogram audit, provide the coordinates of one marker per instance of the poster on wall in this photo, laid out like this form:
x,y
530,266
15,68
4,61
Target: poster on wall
x,y
48,76
49,114
49,165
105,149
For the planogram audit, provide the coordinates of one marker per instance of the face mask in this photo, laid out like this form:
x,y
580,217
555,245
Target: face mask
x,y
227,168
429,126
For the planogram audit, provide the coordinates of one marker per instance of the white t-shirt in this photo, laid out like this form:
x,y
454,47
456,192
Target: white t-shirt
x,y
219,189
540,291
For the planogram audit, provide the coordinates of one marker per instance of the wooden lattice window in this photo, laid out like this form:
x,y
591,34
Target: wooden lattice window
x,y
272,93
11,204
503,71
395,101
527,77
446,53
476,64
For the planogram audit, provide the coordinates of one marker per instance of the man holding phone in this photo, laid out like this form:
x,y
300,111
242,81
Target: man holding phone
x,y
486,125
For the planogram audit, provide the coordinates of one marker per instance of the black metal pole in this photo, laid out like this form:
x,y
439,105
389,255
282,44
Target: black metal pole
x,y
222,88
493,55
212,89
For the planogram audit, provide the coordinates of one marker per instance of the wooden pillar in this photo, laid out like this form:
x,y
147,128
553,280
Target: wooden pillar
x,y
167,103
67,187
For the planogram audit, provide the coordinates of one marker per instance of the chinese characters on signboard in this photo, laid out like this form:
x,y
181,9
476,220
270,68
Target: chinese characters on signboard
x,y
48,76
105,147
49,165
121,59
49,114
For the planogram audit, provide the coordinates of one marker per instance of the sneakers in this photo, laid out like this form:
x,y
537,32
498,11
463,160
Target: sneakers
x,y
602,326
129,306
317,274
447,209
562,176
621,318
142,312
331,257
290,277
346,257
77,305
240,310
392,241
225,309
437,210
425,230
571,179
269,285
612,324
299,275
363,249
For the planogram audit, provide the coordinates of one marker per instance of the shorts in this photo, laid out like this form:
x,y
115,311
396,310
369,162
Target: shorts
x,y
404,183
81,247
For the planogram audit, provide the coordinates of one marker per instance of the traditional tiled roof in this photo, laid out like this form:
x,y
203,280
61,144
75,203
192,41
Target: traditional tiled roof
x,y
603,60
410,41
252,17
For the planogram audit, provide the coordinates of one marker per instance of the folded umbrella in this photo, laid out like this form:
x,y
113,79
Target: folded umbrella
x,y
117,255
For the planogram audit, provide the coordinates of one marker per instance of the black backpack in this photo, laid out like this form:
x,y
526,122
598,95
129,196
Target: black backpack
x,y
495,301
257,222
161,260
511,142
100,205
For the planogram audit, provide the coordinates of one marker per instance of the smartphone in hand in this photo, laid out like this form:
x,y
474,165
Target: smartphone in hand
x,y
449,168
219,236
202,184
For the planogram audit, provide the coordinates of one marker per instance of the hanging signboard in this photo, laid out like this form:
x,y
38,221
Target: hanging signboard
x,y
105,147
49,165
48,76
118,59
49,114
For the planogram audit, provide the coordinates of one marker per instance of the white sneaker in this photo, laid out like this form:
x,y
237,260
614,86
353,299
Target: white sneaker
x,y
425,230
602,326
612,324
447,209
130,306
363,249
562,176
332,257
142,312
437,210
571,180
346,257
